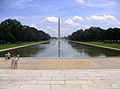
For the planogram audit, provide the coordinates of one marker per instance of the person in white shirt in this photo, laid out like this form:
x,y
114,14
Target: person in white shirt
x,y
7,56
14,61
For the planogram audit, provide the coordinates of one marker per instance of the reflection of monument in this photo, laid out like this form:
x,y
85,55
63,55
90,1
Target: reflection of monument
x,y
58,37
58,48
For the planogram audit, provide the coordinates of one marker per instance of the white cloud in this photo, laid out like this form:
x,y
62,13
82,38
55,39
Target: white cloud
x,y
81,1
105,20
98,3
47,28
33,25
78,18
51,19
102,18
71,22
50,30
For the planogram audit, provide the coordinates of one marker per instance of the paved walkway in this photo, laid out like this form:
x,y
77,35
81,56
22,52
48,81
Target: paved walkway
x,y
60,79
63,63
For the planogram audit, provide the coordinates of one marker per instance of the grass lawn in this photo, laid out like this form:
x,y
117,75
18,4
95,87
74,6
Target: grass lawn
x,y
113,45
5,46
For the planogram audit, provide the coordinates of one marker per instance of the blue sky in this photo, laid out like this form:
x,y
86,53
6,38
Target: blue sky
x,y
74,14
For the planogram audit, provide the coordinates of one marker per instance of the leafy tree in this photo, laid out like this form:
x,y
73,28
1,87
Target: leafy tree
x,y
12,31
97,34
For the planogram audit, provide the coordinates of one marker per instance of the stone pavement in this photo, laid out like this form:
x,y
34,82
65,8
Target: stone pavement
x,y
29,63
60,79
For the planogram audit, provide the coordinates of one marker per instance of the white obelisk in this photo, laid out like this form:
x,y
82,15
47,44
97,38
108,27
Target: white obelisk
x,y
58,29
59,38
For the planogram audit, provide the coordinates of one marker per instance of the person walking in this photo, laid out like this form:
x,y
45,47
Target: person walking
x,y
14,61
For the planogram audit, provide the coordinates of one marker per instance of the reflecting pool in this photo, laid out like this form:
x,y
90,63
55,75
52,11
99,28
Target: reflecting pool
x,y
63,48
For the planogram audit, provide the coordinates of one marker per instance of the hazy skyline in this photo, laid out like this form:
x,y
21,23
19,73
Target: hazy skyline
x,y
74,14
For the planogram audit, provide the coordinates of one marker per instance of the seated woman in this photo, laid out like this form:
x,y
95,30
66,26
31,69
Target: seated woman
x,y
7,56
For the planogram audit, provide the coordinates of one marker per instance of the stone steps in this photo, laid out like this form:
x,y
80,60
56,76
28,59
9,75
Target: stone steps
x,y
60,79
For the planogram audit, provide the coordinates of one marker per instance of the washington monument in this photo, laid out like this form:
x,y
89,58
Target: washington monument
x,y
58,37
59,28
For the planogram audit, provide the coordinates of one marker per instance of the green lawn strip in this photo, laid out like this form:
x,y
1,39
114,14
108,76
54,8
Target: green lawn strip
x,y
113,45
5,46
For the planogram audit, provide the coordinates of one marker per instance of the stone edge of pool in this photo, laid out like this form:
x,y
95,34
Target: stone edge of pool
x,y
116,49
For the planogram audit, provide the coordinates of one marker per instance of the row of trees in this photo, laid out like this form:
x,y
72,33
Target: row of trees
x,y
12,31
97,34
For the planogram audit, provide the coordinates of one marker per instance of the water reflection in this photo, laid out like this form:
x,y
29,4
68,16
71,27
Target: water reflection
x,y
59,48
62,48
29,51
94,51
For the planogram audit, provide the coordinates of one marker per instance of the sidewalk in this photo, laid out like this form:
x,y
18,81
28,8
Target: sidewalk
x,y
60,79
63,63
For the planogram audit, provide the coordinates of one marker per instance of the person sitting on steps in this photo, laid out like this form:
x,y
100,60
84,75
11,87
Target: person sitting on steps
x,y
7,56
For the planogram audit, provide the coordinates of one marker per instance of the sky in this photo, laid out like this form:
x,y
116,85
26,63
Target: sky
x,y
74,14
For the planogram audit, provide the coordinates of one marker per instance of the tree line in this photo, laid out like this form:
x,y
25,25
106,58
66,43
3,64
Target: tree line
x,y
111,35
12,31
